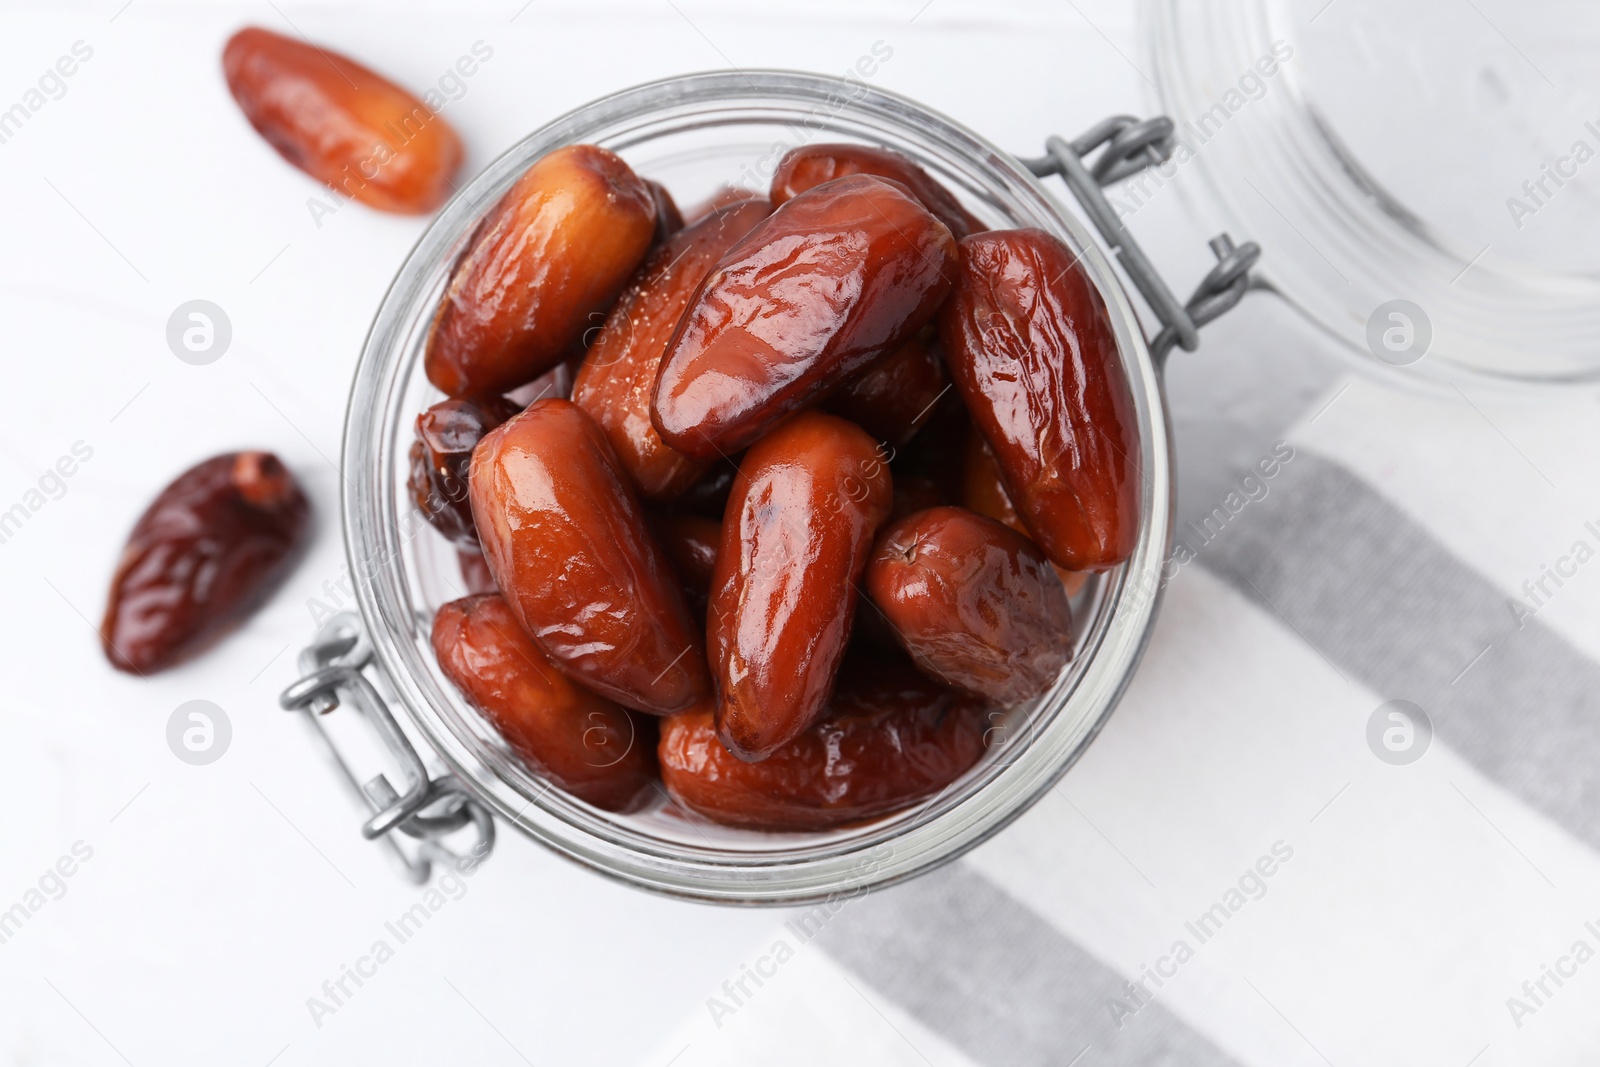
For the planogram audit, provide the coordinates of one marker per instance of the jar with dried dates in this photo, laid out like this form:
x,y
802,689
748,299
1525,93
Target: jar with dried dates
x,y
983,746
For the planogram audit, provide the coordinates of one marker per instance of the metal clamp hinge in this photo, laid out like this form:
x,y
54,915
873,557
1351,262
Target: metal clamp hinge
x,y
429,809
1131,146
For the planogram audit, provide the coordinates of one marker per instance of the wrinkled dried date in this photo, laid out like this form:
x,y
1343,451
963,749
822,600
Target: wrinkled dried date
x,y
567,542
342,123
203,556
984,491
555,250
975,603
1030,347
619,373
807,502
441,456
891,737
893,397
810,166
836,278
578,740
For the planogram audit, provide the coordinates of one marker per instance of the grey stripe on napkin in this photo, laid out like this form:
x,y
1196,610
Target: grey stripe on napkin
x,y
995,980
1395,611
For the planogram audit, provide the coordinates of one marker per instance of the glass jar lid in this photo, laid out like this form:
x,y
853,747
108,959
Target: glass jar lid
x,y
1425,176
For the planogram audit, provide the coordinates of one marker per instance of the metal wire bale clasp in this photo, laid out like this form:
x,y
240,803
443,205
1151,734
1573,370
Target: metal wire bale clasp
x,y
429,809
1130,146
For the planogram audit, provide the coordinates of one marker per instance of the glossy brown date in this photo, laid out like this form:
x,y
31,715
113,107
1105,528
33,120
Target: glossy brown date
x,y
618,375
556,249
833,280
891,737
691,543
893,397
577,740
1030,347
202,557
556,382
341,123
975,603
984,491
669,220
566,540
983,487
810,166
441,456
807,502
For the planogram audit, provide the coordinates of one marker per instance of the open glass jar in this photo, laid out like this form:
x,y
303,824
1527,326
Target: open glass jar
x,y
1423,171
695,134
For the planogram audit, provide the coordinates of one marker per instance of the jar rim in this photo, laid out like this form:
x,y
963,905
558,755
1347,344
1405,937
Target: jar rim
x,y
377,537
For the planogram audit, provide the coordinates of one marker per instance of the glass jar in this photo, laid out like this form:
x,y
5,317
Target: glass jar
x,y
1426,172
695,134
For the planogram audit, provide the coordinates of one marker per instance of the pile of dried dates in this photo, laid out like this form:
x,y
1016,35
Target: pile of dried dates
x,y
803,486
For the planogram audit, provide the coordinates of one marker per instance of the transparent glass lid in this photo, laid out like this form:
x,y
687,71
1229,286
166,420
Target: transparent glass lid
x,y
1425,175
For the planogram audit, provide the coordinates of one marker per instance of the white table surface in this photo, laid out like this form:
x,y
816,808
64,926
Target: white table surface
x,y
218,899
